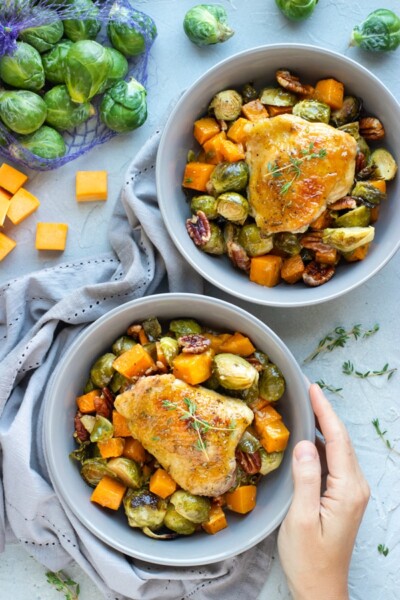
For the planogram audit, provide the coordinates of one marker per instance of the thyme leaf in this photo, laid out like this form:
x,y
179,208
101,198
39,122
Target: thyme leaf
x,y
349,369
382,549
329,388
294,166
381,434
339,337
64,584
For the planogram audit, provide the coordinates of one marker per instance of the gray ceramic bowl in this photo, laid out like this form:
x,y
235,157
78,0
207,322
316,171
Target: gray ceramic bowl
x,y
275,491
259,65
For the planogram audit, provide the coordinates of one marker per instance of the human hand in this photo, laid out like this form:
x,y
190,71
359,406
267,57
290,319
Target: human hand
x,y
317,537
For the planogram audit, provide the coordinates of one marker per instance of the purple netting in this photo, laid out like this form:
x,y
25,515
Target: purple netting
x,y
17,15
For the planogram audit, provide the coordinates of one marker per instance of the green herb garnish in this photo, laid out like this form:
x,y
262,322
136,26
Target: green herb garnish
x,y
64,584
329,388
381,434
382,549
339,337
294,166
348,369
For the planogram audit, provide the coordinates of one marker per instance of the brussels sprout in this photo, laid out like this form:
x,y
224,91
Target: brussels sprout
x,y
85,28
124,106
216,244
230,177
312,110
272,383
54,62
152,328
249,93
262,358
89,386
102,430
249,443
347,239
211,383
87,66
269,461
380,32
129,29
118,71
277,97
88,422
226,105
23,68
384,163
122,344
349,111
252,240
22,111
45,142
352,129
358,217
287,242
206,24
207,204
127,471
184,327
194,508
102,371
43,37
296,10
83,452
231,232
144,509
94,469
62,113
233,207
118,383
234,372
368,194
176,522
170,349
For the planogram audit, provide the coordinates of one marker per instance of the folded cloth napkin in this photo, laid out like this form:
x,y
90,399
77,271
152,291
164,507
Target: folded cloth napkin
x,y
40,315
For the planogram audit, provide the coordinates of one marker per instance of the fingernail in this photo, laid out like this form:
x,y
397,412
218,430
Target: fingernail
x,y
305,452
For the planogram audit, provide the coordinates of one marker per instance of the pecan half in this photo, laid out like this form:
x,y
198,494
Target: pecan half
x,y
371,128
81,433
317,273
345,203
361,161
133,330
194,343
251,463
104,404
292,83
313,241
238,255
198,227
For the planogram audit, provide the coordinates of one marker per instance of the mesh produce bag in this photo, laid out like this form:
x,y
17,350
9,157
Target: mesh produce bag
x,y
18,15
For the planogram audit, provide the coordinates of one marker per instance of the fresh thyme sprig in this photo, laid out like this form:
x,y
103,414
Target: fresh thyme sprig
x,y
294,166
64,584
338,338
348,369
382,549
381,434
329,388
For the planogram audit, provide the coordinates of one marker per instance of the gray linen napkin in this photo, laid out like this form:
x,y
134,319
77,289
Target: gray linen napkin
x,y
40,315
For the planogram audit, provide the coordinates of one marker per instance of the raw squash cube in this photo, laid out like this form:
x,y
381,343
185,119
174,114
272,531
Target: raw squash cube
x,y
91,186
5,198
11,179
23,204
6,245
51,236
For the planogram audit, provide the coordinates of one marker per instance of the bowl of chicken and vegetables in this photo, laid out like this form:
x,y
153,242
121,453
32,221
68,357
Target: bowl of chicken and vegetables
x,y
178,415
277,175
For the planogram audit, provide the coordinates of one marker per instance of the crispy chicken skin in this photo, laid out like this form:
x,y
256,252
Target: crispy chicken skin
x,y
278,144
203,462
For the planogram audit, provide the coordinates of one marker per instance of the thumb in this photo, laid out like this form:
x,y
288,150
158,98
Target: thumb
x,y
307,482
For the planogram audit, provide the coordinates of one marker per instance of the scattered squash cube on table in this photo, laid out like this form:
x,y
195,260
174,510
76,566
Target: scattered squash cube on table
x,y
5,198
6,245
51,236
91,186
22,205
11,179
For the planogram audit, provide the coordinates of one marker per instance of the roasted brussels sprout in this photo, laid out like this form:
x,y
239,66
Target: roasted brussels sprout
x,y
312,110
87,66
230,177
176,522
231,232
184,327
152,328
45,142
54,62
124,106
128,29
358,217
127,471
287,242
347,239
249,93
22,111
296,10
94,469
363,147
226,105
118,383
62,113
151,348
144,509
380,32
249,443
385,166
206,24
102,430
233,207
352,129
234,372
85,28
277,97
82,452
122,344
102,371
207,204
216,243
170,349
368,194
23,68
88,422
194,508
89,386
43,37
272,383
253,241
118,71
349,111
262,358
270,461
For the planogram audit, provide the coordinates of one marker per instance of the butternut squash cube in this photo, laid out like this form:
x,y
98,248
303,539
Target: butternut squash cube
x,y
111,448
11,179
292,269
274,111
255,111
265,415
266,270
5,201
193,368
216,520
380,184
330,92
274,436
197,175
216,340
86,401
243,499
162,484
239,130
91,186
237,344
6,245
213,148
120,425
205,128
134,450
108,493
22,204
51,236
232,152
133,362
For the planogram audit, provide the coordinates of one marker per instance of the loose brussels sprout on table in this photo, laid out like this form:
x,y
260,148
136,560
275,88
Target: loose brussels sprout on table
x,y
297,10
380,32
206,24
23,68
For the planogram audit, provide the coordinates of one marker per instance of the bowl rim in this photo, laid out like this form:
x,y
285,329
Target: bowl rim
x,y
51,410
163,149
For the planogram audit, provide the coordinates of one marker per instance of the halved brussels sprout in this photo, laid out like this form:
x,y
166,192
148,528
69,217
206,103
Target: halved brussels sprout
x,y
83,452
251,394
233,207
368,194
296,10
129,29
234,372
262,358
22,111
231,232
127,471
124,106
87,66
151,348
272,383
85,28
313,111
45,142
152,328
102,371
118,383
144,509
184,327
230,177
384,163
226,105
352,129
102,431
54,62
358,217
176,522
253,241
249,93
94,469
119,69
194,508
277,97
216,244
207,204
249,443
349,111
122,344
169,348
287,242
62,113
346,239
23,68
206,24
270,461
88,422
89,386
44,37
